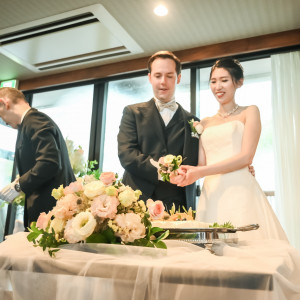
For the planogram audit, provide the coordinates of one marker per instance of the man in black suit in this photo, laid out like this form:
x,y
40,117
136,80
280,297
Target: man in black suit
x,y
156,128
41,155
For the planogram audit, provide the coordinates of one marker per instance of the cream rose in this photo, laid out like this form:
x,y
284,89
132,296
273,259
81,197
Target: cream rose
x,y
57,225
94,188
111,191
127,197
168,159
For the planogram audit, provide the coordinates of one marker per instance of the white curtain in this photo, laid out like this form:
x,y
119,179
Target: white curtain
x,y
286,121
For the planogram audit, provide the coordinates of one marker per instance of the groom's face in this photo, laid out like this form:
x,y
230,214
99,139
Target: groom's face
x,y
163,78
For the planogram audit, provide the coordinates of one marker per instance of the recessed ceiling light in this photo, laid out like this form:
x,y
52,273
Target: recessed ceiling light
x,y
161,10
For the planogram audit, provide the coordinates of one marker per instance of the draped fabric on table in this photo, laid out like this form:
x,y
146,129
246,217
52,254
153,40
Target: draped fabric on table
x,y
261,270
286,122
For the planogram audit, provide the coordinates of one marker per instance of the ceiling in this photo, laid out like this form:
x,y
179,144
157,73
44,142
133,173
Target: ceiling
x,y
129,29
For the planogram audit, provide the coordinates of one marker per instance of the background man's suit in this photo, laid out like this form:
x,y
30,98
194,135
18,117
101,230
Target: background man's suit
x,y
42,161
142,136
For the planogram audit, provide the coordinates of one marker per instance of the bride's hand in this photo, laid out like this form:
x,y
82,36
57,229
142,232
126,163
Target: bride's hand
x,y
177,179
191,175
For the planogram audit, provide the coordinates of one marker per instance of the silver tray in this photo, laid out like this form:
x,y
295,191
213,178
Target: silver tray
x,y
205,236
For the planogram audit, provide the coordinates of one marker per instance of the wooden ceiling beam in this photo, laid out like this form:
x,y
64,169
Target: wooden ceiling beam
x,y
243,46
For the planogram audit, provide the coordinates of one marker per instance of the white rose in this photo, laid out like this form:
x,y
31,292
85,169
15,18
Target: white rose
x,y
127,197
57,224
94,188
84,224
168,158
70,235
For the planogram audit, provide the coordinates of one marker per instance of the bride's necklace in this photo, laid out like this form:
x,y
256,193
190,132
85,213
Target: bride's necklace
x,y
227,114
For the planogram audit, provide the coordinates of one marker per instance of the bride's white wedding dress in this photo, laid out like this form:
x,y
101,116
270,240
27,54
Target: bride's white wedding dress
x,y
235,196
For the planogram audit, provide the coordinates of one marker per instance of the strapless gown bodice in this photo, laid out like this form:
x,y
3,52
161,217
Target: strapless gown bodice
x,y
235,196
222,141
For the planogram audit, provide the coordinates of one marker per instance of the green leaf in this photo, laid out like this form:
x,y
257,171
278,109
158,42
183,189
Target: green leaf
x,y
140,242
160,245
154,230
107,236
97,238
32,236
162,236
110,235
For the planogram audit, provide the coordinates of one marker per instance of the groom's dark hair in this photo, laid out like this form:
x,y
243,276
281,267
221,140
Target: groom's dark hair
x,y
165,54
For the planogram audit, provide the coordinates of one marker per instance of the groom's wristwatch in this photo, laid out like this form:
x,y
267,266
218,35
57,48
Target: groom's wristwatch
x,y
17,187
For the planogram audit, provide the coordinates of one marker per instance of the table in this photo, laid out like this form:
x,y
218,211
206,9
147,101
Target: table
x,y
250,270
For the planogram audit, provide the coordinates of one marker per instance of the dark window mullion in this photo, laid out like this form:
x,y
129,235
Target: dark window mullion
x,y
97,135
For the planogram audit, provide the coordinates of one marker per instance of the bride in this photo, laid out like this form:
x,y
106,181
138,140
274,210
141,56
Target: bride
x,y
227,146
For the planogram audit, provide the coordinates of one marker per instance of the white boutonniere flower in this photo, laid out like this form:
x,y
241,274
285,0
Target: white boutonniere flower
x,y
196,128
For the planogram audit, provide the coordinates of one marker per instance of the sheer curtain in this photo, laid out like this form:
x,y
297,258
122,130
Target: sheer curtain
x,y
286,120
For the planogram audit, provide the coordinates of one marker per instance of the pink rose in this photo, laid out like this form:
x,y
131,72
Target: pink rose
x,y
105,206
108,178
156,209
130,226
66,207
43,220
73,187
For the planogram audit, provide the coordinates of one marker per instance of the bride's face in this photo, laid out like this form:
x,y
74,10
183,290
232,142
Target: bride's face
x,y
222,86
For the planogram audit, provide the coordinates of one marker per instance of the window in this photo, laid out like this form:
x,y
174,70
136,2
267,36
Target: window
x,y
71,109
7,153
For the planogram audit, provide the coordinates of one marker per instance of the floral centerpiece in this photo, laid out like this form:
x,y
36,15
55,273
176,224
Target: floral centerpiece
x,y
96,211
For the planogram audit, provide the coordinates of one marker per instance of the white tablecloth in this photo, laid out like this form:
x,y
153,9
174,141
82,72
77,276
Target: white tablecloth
x,y
250,270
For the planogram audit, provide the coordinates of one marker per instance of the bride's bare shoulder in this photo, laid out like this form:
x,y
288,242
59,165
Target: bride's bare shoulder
x,y
250,108
207,121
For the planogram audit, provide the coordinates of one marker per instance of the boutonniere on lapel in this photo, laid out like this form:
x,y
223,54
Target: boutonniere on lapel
x,y
196,128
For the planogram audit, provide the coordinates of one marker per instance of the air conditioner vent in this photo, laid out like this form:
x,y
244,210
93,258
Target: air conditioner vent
x,y
76,37
77,60
47,28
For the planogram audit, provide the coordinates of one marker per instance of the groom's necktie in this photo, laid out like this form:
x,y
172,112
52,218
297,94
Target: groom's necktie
x,y
168,113
170,105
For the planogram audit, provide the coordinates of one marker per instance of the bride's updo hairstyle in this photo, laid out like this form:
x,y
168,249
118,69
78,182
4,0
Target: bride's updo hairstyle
x,y
233,67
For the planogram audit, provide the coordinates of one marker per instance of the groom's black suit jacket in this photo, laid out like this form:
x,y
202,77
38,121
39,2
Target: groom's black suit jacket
x,y
141,137
43,163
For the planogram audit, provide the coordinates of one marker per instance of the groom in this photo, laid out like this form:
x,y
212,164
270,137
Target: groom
x,y
156,128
